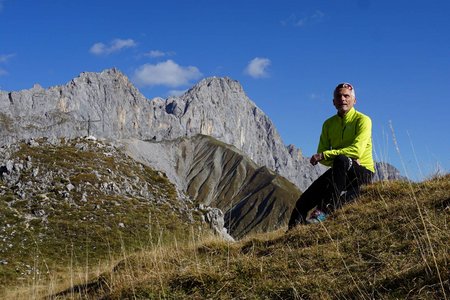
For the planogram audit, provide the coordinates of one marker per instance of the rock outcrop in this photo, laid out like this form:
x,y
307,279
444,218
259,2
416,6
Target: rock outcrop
x,y
386,171
72,197
107,105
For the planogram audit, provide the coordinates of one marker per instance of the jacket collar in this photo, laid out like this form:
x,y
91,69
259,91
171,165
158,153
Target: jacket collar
x,y
349,115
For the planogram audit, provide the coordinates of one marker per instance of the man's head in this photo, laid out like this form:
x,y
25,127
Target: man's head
x,y
344,98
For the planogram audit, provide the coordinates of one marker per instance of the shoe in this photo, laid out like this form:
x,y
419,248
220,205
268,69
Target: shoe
x,y
316,216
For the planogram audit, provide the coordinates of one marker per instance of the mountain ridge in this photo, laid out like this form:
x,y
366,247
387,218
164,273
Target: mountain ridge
x,y
108,105
252,197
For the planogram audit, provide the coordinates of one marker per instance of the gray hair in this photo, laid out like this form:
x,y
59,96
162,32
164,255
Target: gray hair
x,y
345,85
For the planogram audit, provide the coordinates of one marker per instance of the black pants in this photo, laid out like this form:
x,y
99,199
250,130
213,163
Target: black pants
x,y
337,186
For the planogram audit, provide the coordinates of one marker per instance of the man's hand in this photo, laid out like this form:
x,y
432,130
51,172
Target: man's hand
x,y
316,158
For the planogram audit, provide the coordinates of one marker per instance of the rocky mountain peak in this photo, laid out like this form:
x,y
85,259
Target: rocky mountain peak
x,y
222,85
107,105
212,92
109,78
106,75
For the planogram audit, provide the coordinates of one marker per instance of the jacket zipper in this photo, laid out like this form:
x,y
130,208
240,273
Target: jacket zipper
x,y
343,129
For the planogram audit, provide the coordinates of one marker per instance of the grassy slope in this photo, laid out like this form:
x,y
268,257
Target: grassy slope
x,y
393,243
51,231
222,174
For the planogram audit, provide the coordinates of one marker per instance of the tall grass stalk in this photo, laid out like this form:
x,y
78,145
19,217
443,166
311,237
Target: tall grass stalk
x,y
128,268
422,219
415,156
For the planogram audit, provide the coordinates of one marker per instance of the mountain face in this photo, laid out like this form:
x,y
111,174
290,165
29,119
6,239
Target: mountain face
x,y
107,105
213,142
385,171
215,174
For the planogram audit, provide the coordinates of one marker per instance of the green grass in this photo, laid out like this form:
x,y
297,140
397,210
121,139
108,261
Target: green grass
x,y
46,232
392,243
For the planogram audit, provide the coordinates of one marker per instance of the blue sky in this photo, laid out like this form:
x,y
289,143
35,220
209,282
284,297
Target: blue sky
x,y
288,55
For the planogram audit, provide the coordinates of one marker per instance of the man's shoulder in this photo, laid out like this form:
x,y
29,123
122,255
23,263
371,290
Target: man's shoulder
x,y
331,119
360,115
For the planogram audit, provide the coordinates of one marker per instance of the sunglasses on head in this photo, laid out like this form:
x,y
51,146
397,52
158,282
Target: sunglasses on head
x,y
344,86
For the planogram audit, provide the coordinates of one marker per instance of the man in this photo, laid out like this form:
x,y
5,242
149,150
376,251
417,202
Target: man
x,y
346,146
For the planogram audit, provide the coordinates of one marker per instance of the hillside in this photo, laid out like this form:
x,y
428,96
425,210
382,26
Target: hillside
x,y
80,202
253,198
392,243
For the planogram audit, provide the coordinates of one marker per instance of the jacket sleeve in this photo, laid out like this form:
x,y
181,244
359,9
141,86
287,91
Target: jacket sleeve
x,y
324,144
357,147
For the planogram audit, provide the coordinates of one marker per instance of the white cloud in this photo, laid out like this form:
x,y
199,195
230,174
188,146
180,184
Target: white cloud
x,y
158,53
317,97
257,67
166,73
5,57
114,46
177,92
98,48
313,96
155,53
316,17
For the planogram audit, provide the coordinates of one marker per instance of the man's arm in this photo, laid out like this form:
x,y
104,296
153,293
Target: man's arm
x,y
324,144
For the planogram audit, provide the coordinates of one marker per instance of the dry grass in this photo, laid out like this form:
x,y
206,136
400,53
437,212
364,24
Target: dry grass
x,y
392,243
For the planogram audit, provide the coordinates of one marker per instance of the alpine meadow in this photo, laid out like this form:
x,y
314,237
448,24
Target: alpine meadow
x,y
106,194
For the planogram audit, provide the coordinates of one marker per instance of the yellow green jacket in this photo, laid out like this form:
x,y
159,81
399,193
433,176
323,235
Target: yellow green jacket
x,y
350,136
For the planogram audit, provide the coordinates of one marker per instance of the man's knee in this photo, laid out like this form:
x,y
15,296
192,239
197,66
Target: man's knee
x,y
342,162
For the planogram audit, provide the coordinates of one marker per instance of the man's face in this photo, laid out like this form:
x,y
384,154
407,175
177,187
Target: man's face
x,y
343,101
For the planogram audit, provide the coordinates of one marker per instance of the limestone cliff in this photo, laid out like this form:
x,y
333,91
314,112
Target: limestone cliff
x,y
107,105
